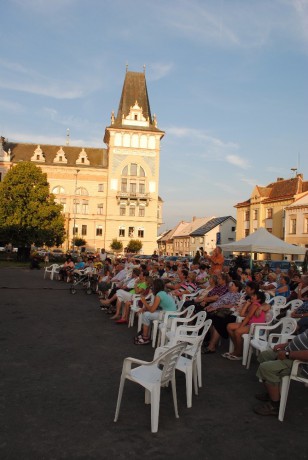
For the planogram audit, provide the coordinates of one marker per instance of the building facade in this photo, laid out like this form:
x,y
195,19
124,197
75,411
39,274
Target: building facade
x,y
111,192
188,237
267,208
296,221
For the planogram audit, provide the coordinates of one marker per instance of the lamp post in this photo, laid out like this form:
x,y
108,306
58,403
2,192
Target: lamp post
x,y
74,222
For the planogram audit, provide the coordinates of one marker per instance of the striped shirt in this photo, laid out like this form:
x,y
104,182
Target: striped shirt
x,y
299,343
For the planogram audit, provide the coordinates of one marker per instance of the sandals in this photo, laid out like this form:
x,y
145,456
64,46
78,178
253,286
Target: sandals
x,y
234,358
140,340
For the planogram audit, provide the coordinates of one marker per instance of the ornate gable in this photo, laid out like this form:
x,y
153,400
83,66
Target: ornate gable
x,y
60,157
38,155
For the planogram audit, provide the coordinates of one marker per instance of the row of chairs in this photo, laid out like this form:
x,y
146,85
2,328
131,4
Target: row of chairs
x,y
265,336
179,349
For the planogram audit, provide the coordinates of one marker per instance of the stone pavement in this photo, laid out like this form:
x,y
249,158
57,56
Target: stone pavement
x,y
61,359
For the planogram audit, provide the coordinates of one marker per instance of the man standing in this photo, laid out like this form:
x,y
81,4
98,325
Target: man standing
x,y
216,260
103,256
275,364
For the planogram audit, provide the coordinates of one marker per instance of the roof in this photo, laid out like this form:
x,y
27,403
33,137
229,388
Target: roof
x,y
23,152
282,189
302,201
210,225
263,242
134,90
191,226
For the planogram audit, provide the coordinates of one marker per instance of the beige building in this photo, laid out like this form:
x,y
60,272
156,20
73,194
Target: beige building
x,y
267,206
108,192
188,237
296,218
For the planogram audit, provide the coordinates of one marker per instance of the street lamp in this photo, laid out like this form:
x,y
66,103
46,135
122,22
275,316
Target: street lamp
x,y
74,224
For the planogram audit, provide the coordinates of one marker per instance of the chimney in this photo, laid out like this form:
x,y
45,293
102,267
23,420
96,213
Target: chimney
x,y
194,218
301,176
279,179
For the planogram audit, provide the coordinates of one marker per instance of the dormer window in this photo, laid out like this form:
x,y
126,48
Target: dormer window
x,y
60,156
82,158
38,155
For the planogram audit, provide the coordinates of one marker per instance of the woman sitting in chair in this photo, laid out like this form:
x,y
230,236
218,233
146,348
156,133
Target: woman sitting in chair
x,y
162,301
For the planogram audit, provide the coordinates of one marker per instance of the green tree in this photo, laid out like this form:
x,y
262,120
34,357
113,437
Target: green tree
x,y
116,245
79,242
28,211
134,246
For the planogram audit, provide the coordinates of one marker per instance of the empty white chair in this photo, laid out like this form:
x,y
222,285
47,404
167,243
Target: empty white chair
x,y
152,376
264,338
51,270
165,323
286,380
188,361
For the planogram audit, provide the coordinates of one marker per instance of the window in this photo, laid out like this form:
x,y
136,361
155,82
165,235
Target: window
x,y
0,176
99,230
75,230
60,158
232,229
84,207
63,203
293,226
255,214
247,216
269,213
133,169
100,187
270,230
83,230
141,187
246,231
133,187
132,211
131,231
58,190
201,240
82,191
306,225
122,210
141,211
124,185
122,231
100,208
140,233
76,207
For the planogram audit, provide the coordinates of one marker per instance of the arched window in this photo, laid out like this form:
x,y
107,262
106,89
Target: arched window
x,y
82,191
58,190
133,179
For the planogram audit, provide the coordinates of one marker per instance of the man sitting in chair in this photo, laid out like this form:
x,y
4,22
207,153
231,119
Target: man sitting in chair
x,y
275,364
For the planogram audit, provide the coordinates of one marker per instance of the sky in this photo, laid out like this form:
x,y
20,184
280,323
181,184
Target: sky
x,y
227,80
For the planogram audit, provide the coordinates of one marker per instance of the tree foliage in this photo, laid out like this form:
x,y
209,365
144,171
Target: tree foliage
x,y
28,211
116,245
134,246
79,241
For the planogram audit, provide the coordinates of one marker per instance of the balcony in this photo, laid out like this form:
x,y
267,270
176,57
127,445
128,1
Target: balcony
x,y
135,196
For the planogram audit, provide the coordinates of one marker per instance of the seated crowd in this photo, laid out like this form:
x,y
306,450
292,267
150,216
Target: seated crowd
x,y
233,299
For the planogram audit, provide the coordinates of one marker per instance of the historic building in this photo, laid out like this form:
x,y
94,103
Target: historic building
x,y
186,238
111,192
268,207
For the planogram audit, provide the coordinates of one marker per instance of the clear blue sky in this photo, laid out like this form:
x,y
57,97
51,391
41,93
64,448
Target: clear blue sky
x,y
227,80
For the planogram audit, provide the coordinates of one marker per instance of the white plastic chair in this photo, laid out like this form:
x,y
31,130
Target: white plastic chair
x,y
286,380
152,376
293,304
263,339
135,308
51,270
164,324
188,361
276,304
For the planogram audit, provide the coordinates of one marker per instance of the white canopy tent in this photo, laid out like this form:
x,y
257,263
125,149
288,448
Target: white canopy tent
x,y
263,241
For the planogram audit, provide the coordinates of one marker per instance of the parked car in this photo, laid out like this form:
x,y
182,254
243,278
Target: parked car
x,y
57,253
